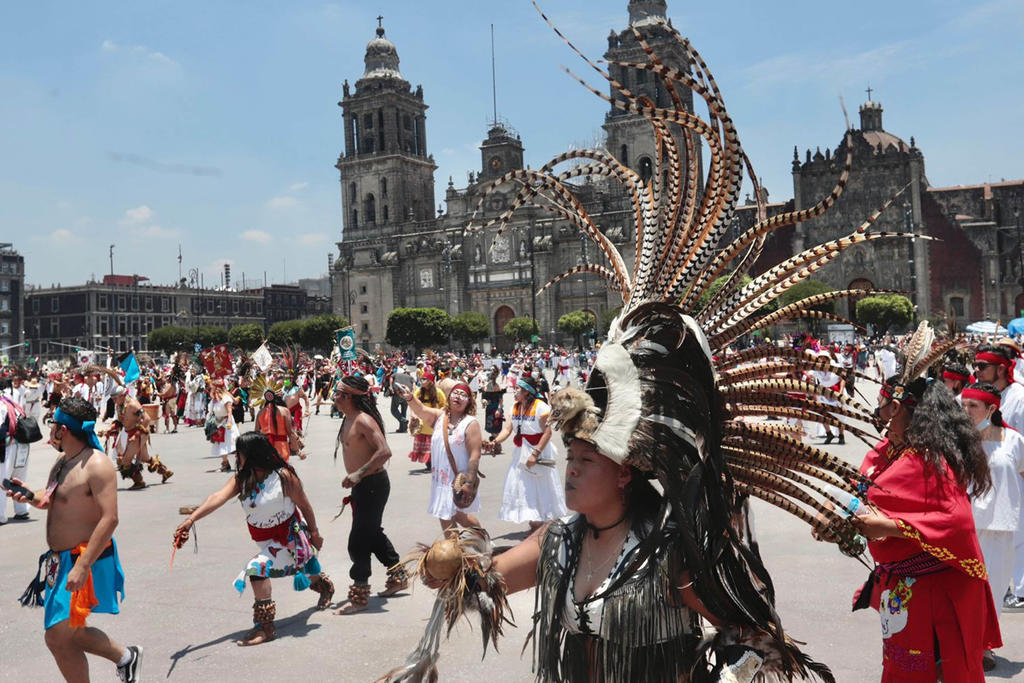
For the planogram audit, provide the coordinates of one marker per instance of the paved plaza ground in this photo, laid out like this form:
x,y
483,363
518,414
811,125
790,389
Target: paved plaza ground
x,y
187,618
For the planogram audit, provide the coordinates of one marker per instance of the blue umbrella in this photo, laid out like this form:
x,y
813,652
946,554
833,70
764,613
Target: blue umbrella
x,y
1016,326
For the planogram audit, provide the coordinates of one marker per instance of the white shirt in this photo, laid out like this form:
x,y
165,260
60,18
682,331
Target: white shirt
x,y
999,508
1012,406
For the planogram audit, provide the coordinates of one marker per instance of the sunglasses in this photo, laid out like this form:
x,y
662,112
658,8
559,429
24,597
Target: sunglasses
x,y
981,366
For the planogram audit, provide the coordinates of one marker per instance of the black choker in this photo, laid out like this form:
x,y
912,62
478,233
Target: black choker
x,y
598,529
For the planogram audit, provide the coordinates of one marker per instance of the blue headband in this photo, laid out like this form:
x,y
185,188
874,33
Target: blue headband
x,y
527,388
79,428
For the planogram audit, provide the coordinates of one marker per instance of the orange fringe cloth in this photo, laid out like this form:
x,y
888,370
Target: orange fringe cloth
x,y
83,599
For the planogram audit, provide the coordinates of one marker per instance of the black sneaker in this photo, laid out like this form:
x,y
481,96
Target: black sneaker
x,y
21,517
129,673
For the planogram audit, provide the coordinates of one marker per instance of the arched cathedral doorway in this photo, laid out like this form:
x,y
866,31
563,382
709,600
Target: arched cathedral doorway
x,y
501,318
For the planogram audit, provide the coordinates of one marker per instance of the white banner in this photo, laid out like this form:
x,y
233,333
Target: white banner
x,y
262,358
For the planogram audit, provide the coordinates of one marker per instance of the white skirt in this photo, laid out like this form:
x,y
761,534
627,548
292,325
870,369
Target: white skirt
x,y
532,495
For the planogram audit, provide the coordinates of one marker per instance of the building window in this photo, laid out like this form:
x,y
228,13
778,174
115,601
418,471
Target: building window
x,y
366,328
5,285
197,306
646,169
383,187
370,208
5,303
234,307
248,308
368,121
5,328
165,304
54,304
122,302
362,289
259,308
35,306
209,306
103,325
364,308
956,305
101,302
149,303
54,328
135,303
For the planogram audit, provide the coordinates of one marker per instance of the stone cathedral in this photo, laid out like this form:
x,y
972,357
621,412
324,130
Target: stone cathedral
x,y
397,251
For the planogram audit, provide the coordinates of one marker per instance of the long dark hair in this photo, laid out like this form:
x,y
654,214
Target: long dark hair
x,y
941,431
366,403
260,455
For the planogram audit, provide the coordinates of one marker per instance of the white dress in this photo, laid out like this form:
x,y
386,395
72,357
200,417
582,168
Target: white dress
x,y
442,502
997,512
221,410
531,494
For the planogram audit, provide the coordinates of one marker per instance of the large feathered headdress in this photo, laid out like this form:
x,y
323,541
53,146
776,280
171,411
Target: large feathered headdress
x,y
665,396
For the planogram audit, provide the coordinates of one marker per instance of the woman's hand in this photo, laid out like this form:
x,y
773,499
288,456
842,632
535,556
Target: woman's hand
x,y
316,539
874,525
532,460
181,533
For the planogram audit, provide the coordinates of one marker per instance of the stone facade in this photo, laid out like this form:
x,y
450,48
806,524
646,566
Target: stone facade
x,y
12,302
395,253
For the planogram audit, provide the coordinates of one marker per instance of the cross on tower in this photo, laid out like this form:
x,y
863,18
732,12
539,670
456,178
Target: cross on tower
x,y
869,93
380,21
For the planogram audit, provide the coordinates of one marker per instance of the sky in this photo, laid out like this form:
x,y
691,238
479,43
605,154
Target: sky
x,y
214,125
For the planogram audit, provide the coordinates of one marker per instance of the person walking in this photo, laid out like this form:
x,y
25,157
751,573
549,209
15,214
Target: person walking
x,y
282,523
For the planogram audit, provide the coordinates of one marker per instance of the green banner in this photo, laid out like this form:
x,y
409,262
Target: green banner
x,y
346,339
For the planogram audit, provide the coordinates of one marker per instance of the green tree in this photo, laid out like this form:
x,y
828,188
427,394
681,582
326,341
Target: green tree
x,y
576,323
247,337
209,335
317,333
521,329
470,327
807,288
885,311
418,327
169,338
285,333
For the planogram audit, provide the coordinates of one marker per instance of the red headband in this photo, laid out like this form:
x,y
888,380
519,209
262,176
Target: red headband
x,y
899,393
946,374
979,395
464,387
994,358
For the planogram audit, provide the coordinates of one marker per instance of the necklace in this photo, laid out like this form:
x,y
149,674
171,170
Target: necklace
x,y
598,529
616,549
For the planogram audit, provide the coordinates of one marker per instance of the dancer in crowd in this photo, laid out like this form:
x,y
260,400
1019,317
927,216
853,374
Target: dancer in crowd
x,y
955,376
492,395
274,420
131,447
365,452
281,522
997,511
167,391
221,429
13,455
455,452
81,573
429,395
929,584
620,585
533,490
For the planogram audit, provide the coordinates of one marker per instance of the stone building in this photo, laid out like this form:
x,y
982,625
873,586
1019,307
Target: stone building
x,y
394,252
970,271
12,302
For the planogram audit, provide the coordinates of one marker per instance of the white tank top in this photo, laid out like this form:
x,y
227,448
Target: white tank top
x,y
267,506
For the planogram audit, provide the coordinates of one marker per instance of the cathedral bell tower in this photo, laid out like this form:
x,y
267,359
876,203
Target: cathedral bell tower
x,y
630,137
387,177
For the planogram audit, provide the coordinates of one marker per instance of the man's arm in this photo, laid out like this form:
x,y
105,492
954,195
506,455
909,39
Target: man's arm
x,y
103,484
366,428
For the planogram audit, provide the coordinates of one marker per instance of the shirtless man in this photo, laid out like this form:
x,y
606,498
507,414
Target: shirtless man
x,y
168,393
365,451
132,447
81,500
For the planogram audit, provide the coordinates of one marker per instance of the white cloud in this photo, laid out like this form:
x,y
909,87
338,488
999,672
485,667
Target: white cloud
x,y
311,238
284,202
158,232
137,50
256,236
63,236
295,187
138,215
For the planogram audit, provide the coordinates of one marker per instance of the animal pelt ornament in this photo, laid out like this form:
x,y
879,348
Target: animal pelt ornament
x,y
574,414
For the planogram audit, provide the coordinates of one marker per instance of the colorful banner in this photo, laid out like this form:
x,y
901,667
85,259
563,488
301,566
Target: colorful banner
x,y
217,361
346,338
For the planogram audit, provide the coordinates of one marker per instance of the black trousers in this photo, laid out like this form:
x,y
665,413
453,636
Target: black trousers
x,y
399,410
367,537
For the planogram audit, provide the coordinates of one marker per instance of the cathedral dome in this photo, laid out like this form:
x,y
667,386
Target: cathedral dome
x,y
874,134
381,58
